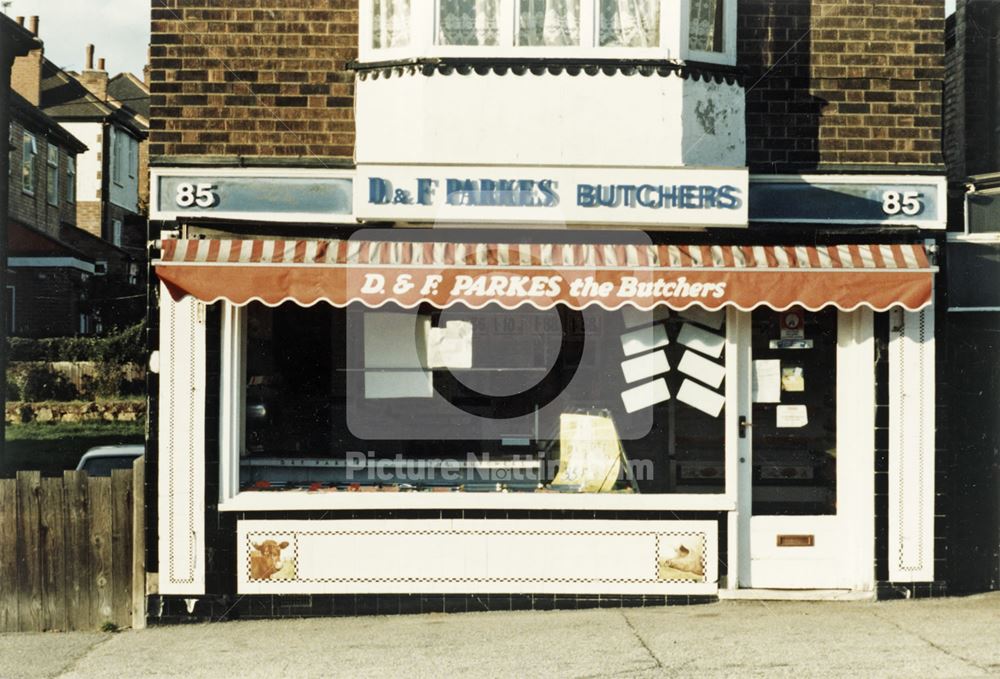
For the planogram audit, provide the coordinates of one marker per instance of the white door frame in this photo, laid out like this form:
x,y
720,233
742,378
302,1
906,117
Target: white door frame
x,y
851,558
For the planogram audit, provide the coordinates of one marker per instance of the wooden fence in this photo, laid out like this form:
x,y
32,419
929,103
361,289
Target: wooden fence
x,y
71,551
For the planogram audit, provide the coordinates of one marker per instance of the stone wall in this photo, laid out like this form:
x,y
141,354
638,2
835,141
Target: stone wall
x,y
19,412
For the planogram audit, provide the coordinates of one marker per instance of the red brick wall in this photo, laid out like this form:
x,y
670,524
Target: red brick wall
x,y
835,83
263,79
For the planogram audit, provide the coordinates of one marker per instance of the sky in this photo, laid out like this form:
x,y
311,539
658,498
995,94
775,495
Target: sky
x,y
119,30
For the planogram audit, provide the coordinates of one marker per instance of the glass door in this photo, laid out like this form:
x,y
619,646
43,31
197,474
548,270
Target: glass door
x,y
796,473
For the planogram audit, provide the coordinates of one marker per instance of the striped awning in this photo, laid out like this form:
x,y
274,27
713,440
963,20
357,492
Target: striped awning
x,y
579,275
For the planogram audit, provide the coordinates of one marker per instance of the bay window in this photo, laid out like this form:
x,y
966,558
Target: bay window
x,y
702,30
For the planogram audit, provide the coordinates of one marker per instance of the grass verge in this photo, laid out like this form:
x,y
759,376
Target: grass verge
x,y
52,448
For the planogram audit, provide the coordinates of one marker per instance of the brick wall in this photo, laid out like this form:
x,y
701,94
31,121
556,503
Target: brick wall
x,y
972,109
88,216
47,302
26,76
841,83
34,209
262,79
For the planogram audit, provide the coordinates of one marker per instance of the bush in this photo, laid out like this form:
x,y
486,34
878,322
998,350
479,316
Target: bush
x,y
13,391
127,346
44,384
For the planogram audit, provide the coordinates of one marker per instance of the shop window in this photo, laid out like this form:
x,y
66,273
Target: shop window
x,y
558,28
52,174
29,149
394,399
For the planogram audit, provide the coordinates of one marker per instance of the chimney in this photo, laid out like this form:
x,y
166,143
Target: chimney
x,y
95,80
26,73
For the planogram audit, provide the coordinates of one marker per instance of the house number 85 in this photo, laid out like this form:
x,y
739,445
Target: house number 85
x,y
906,202
202,195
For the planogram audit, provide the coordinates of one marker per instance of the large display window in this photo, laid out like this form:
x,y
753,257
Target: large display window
x,y
393,400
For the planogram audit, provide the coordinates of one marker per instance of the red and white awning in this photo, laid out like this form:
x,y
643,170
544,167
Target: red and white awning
x,y
374,273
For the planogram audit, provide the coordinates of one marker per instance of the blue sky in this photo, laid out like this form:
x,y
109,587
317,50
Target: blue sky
x,y
118,28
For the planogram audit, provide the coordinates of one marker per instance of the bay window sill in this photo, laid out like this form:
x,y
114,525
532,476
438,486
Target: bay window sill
x,y
304,500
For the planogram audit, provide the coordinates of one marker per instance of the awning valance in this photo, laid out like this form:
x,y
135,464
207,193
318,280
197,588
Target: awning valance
x,y
374,273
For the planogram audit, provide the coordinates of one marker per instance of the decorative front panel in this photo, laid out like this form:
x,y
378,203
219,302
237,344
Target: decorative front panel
x,y
911,446
478,556
566,116
181,487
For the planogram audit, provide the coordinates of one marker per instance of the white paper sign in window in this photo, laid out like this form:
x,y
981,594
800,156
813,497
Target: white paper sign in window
x,y
450,346
394,345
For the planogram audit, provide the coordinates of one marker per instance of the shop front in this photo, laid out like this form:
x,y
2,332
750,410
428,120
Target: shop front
x,y
561,413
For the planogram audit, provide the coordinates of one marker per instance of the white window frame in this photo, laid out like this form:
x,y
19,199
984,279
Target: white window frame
x,y
424,23
28,160
52,174
70,179
116,156
232,443
728,54
133,157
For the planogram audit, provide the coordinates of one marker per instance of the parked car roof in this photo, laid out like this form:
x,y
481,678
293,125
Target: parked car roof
x,y
100,460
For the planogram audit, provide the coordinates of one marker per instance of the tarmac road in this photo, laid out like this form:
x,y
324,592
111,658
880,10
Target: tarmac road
x,y
957,637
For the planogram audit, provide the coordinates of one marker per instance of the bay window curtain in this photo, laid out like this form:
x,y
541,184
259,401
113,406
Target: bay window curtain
x,y
630,23
549,23
390,23
469,22
706,25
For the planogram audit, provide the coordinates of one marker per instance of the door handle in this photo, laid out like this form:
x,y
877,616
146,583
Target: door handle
x,y
744,425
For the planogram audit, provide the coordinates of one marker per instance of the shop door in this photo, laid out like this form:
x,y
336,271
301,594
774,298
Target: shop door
x,y
802,485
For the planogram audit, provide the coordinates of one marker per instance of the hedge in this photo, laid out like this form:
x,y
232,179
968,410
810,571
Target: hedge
x,y
127,346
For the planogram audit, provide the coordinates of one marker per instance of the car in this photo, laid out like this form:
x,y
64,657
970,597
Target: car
x,y
101,460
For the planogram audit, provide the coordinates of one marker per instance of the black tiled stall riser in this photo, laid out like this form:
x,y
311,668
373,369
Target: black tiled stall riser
x,y
172,610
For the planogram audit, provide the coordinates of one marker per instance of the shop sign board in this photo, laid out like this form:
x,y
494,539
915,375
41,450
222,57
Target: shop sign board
x,y
650,197
850,199
319,196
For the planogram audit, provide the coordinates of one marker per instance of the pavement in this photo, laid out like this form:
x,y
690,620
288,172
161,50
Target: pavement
x,y
956,637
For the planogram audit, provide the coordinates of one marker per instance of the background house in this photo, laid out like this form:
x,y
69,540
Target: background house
x,y
106,218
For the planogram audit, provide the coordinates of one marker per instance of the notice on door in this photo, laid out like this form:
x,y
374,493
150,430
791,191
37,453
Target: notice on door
x,y
792,417
767,381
